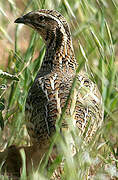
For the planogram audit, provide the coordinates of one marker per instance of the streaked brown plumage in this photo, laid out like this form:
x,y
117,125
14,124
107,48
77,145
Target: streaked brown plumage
x,y
49,92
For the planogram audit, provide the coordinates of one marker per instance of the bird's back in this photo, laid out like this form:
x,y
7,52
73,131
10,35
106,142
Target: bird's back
x,y
46,100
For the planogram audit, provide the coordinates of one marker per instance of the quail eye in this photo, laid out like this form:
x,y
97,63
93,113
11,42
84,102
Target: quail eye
x,y
41,18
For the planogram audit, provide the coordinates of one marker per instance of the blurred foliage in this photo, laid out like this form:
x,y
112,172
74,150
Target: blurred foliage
x,y
94,29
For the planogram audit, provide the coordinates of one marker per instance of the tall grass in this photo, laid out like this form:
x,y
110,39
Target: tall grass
x,y
94,27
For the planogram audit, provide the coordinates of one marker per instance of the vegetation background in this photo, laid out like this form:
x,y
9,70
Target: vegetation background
x,y
94,29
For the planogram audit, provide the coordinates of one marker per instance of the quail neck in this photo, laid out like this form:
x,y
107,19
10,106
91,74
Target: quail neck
x,y
56,35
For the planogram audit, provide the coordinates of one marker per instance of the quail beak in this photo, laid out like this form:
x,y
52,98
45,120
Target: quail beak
x,y
20,20
25,20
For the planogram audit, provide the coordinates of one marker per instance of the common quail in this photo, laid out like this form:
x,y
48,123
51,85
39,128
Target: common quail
x,y
50,89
